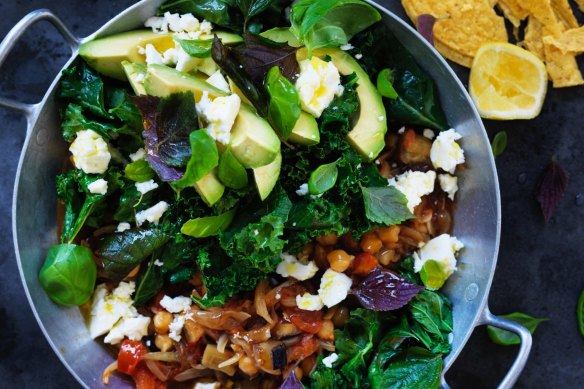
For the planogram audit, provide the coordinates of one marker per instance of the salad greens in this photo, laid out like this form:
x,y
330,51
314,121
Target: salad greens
x,y
507,338
284,104
499,143
231,172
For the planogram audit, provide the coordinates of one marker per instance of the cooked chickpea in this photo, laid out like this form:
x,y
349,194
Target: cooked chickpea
x,y
327,331
340,316
328,240
386,257
349,243
248,366
163,342
339,260
370,243
388,234
162,321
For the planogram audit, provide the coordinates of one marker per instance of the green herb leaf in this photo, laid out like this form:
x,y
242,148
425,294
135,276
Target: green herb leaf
x,y
433,275
415,368
84,86
323,377
284,106
203,227
231,172
215,11
204,157
507,338
499,143
385,205
384,84
139,171
124,109
197,48
149,282
68,274
580,313
74,121
434,312
323,178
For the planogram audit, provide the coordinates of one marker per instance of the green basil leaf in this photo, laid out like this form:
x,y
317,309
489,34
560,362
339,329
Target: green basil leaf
x,y
507,338
433,275
580,313
385,205
284,106
384,84
499,143
204,158
203,227
231,172
68,274
323,178
196,47
139,171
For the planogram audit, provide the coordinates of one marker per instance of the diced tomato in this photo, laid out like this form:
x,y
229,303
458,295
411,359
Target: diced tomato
x,y
364,263
306,321
129,355
303,349
145,379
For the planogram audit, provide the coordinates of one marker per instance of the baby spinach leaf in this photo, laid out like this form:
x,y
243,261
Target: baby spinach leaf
x,y
384,290
203,227
204,157
499,143
120,252
124,109
149,282
84,86
74,121
323,178
215,11
139,171
507,338
251,8
385,205
384,84
414,368
68,274
284,106
196,48
231,172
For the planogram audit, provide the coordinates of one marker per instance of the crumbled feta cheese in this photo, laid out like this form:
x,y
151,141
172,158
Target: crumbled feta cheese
x,y
207,385
177,304
302,190
90,152
218,81
440,249
98,187
138,155
401,130
428,133
158,263
219,114
328,361
309,302
123,226
449,184
318,84
347,47
133,328
175,328
146,186
152,214
414,185
446,153
153,57
358,56
170,56
184,26
334,287
291,267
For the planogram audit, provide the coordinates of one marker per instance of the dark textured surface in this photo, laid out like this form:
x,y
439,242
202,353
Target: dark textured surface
x,y
540,269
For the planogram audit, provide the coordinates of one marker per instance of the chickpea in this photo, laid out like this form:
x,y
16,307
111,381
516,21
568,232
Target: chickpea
x,y
386,257
248,366
370,243
349,243
162,321
388,234
163,342
328,240
340,316
339,260
327,331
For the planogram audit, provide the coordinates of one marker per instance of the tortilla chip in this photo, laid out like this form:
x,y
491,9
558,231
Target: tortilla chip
x,y
562,68
513,11
580,4
452,55
564,13
543,11
533,40
571,41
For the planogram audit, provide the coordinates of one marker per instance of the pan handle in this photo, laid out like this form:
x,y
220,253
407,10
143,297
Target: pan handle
x,y
12,37
524,347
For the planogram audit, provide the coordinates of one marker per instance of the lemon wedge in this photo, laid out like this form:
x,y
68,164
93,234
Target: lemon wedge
x,y
507,82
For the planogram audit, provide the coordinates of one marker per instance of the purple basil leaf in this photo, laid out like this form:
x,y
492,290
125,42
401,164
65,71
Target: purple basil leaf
x,y
384,290
291,382
551,188
425,26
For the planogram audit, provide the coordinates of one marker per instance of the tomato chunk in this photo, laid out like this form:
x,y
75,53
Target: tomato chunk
x,y
303,349
364,263
145,379
129,355
306,321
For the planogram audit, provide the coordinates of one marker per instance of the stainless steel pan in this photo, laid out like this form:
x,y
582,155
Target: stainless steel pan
x,y
478,215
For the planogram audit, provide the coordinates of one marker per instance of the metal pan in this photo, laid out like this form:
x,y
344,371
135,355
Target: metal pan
x,y
478,215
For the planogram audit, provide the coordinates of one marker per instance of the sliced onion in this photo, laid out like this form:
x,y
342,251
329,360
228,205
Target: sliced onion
x,y
161,356
271,298
194,372
108,371
155,369
260,301
222,343
328,346
218,319
230,361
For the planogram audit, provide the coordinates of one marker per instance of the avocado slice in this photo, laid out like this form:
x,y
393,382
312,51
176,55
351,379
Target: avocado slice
x,y
162,80
305,131
135,71
368,133
267,176
106,54
253,142
210,188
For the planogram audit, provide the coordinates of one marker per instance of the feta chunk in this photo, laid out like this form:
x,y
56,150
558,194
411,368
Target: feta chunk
x,y
90,152
302,190
175,328
334,287
176,305
138,155
291,267
358,56
449,184
218,81
146,186
153,57
414,185
318,84
184,26
445,153
328,361
219,114
123,226
428,133
440,249
133,328
98,187
347,47
152,214
309,302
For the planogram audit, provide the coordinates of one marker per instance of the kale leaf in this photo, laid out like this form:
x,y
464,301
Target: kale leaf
x,y
83,85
